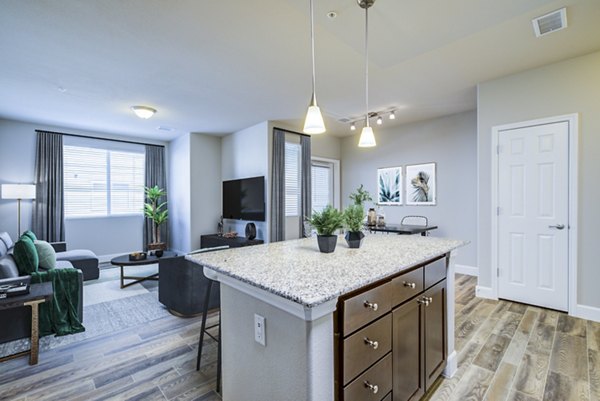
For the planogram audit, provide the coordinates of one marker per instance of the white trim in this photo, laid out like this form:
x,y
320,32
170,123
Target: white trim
x,y
337,202
451,365
586,312
485,292
466,269
286,305
573,121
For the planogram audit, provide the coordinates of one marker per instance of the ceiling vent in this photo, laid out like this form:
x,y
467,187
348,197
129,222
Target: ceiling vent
x,y
551,22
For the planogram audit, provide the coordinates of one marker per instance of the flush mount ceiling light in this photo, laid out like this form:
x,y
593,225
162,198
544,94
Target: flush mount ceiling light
x,y
144,112
367,138
313,124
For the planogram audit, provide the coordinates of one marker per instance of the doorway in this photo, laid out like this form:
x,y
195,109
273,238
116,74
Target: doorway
x,y
534,191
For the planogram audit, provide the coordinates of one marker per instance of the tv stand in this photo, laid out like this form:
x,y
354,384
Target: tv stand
x,y
213,240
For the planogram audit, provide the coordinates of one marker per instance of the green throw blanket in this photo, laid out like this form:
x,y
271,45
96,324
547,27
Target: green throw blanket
x,y
60,316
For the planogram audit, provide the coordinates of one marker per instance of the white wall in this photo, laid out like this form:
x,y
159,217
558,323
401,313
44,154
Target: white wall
x,y
246,154
179,194
449,141
571,86
105,236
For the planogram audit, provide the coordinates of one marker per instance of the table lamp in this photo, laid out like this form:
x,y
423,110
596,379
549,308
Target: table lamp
x,y
18,192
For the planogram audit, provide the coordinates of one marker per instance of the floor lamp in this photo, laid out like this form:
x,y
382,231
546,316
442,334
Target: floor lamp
x,y
18,192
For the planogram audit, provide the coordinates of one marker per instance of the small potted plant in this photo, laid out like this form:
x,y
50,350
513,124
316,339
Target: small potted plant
x,y
158,213
353,221
360,196
326,223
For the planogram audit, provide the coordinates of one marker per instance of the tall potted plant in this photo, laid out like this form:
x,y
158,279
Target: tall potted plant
x,y
157,213
360,196
353,221
326,223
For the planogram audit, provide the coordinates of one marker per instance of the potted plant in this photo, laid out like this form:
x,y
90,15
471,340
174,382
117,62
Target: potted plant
x,y
326,223
158,213
353,221
360,196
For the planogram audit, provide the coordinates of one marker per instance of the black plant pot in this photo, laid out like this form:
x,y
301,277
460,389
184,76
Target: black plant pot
x,y
354,238
327,243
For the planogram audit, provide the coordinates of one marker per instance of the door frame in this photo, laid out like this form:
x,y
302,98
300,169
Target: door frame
x,y
573,123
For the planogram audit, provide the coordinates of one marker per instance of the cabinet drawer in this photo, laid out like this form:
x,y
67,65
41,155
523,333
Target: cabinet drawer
x,y
366,307
407,286
379,377
435,271
366,346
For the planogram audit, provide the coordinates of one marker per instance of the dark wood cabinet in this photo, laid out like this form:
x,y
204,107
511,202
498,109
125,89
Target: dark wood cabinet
x,y
215,240
398,323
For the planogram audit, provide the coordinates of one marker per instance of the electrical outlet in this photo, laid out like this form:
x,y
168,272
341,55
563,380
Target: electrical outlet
x,y
260,333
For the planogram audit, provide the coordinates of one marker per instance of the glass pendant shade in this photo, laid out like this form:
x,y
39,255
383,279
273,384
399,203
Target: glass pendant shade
x,y
367,138
314,120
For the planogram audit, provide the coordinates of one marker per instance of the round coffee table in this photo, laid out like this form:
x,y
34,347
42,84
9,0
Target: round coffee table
x,y
124,261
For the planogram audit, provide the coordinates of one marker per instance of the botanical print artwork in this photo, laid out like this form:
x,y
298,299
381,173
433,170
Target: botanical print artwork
x,y
389,186
421,184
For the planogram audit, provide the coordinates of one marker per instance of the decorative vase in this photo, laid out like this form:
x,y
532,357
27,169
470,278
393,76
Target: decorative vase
x,y
159,253
327,243
250,231
157,245
354,238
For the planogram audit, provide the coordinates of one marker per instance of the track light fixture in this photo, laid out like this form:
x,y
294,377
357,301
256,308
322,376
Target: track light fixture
x,y
353,127
393,115
379,120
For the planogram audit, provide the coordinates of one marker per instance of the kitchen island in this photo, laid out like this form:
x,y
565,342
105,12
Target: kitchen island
x,y
309,303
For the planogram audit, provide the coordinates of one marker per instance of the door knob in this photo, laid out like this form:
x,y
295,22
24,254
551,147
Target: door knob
x,y
558,226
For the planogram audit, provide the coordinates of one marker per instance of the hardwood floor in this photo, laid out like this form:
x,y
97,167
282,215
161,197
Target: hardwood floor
x,y
507,351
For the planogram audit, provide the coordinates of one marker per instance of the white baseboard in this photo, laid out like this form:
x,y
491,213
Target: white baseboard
x,y
586,312
451,365
465,269
485,292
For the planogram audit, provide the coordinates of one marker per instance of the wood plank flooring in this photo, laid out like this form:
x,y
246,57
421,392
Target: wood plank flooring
x,y
507,351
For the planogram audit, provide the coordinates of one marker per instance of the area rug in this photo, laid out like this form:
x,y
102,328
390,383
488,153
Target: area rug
x,y
136,305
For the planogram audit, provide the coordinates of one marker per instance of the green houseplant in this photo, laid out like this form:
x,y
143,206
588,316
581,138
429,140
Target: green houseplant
x,y
353,221
326,223
360,196
157,212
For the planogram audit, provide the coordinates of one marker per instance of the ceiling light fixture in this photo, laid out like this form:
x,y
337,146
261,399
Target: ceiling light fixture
x,y
393,115
379,120
367,138
313,124
144,112
353,127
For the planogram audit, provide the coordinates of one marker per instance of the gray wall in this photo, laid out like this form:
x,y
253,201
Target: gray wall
x,y
105,236
571,86
449,141
179,194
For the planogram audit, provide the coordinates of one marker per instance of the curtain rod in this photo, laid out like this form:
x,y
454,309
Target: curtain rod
x,y
99,138
291,132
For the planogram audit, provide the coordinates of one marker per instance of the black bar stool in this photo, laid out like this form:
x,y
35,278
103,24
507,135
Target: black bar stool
x,y
204,330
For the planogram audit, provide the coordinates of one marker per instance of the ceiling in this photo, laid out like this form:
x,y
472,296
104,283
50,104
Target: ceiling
x,y
217,67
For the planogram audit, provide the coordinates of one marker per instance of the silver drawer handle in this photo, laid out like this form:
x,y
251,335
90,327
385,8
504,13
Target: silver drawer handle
x,y
373,387
371,343
370,305
410,285
558,226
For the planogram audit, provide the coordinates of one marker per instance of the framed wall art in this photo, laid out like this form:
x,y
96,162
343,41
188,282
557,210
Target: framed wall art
x,y
389,186
421,188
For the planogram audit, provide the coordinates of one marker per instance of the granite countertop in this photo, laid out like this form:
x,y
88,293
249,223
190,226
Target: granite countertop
x,y
297,271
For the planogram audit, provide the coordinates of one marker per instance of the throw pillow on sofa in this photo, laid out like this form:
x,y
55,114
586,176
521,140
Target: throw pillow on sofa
x,y
26,256
29,234
46,255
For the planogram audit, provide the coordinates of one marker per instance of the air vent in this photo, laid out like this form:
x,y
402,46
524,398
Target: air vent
x,y
551,22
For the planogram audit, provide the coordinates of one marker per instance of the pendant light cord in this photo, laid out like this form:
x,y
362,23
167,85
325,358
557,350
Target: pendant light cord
x,y
367,63
312,45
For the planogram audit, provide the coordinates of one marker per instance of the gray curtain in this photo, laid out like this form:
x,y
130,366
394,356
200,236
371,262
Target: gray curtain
x,y
278,187
155,175
305,184
48,207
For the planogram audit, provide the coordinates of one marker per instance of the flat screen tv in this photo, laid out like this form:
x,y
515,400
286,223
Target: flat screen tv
x,y
244,199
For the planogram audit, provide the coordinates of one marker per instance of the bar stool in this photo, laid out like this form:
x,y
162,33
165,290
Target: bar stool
x,y
204,330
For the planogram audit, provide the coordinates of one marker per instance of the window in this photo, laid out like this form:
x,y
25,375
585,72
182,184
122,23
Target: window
x,y
322,185
292,179
102,182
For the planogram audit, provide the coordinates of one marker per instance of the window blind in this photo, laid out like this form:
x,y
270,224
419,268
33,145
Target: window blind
x,y
101,182
322,195
292,179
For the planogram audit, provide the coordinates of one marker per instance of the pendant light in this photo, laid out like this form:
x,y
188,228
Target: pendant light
x,y
367,138
314,120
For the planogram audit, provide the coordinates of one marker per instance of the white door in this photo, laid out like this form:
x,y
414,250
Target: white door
x,y
533,226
